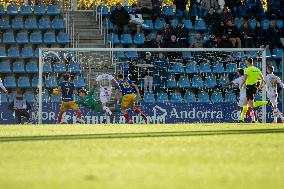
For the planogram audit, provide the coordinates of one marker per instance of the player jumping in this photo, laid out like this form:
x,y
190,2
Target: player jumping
x,y
272,81
128,97
67,89
86,99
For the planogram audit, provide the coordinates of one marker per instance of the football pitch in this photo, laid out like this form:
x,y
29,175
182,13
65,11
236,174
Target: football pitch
x,y
214,156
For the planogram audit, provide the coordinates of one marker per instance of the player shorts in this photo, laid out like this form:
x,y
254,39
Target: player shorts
x,y
105,94
128,100
251,91
68,105
272,98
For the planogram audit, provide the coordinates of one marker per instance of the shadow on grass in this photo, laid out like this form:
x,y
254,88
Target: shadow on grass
x,y
140,135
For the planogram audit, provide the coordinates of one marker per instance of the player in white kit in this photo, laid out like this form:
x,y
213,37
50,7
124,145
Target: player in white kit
x,y
272,82
105,83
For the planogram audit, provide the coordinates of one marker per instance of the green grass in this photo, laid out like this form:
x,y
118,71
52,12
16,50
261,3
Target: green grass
x,y
214,156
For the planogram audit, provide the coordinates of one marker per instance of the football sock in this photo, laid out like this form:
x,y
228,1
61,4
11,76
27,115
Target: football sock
x,y
107,110
239,113
59,118
252,114
127,117
244,111
259,103
78,114
138,111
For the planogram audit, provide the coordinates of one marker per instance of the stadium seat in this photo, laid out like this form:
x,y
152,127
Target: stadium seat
x,y
216,97
183,83
12,96
279,23
258,97
22,38
2,51
109,25
79,82
63,38
51,82
55,98
8,38
126,39
149,97
168,11
31,67
59,67
188,24
191,68
5,67
203,97
49,38
224,80
35,38
231,68
186,55
177,68
148,23
218,68
74,67
31,23
139,39
18,67
57,24
176,98
277,53
128,8
4,23
17,23
27,52
47,67
2,10
204,68
12,9
171,83
252,23
39,10
4,98
239,22
162,97
243,65
113,38
268,53
159,24
210,82
131,54
119,55
197,82
26,10
112,8
10,82
29,96
24,82
44,23
191,38
265,24
280,68
189,97
239,54
200,25
104,11
14,52
52,10
174,23
251,54
230,97
35,81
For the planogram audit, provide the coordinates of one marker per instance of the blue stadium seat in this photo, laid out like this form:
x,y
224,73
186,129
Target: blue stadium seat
x,y
280,68
210,82
26,10
230,97
35,38
200,25
109,25
174,23
177,68
51,82
2,10
279,23
218,68
22,37
2,51
49,38
251,54
12,96
113,38
231,68
74,67
35,81
223,80
268,53
44,23
162,97
183,83
55,98
186,55
216,97
31,67
119,55
47,67
17,23
139,39
14,52
126,39
8,37
239,22
149,97
19,67
4,23
104,11
203,97
52,10
57,23
277,53
29,96
39,10
252,23
265,24
27,52
128,8
243,65
148,23
191,68
131,54
239,54
10,82
176,98
168,11
171,83
189,97
258,96
12,9
63,38
159,24
188,24
112,8
24,82
59,67
79,82
5,67
4,98
31,23
205,68
197,82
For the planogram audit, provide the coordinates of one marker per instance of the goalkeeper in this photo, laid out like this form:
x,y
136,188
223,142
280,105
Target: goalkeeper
x,y
86,100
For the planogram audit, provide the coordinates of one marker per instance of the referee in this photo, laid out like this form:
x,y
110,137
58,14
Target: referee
x,y
251,77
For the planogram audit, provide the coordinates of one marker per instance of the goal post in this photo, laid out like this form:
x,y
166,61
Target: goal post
x,y
94,53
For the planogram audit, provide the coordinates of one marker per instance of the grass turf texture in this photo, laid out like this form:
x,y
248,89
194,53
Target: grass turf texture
x,y
211,156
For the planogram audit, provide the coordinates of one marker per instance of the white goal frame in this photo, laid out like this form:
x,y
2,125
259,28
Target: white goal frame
x,y
111,50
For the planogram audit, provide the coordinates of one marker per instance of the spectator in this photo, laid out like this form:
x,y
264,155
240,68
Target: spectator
x,y
233,34
136,18
220,30
148,72
120,19
173,44
160,71
211,19
196,9
207,5
197,42
225,43
260,36
226,15
211,42
254,7
235,6
159,43
282,36
156,9
181,33
221,4
133,72
167,32
246,34
149,43
273,35
181,7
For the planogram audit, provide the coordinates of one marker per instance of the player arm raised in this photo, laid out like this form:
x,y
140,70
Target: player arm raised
x,y
137,90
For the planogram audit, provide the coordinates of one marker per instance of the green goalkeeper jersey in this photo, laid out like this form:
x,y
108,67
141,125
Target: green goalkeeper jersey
x,y
89,102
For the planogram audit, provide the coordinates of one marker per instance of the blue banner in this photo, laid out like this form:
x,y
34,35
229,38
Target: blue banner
x,y
158,113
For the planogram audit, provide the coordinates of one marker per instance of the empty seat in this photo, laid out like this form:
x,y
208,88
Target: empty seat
x,y
197,82
51,82
26,10
4,98
183,83
176,98
12,96
205,68
104,11
148,25
35,82
2,51
191,68
119,55
10,82
251,54
186,55
39,10
44,23
231,68
210,82
18,67
22,38
189,97
218,68
4,23
139,39
14,52
126,39
149,97
168,11
216,97
113,38
279,23
35,38
162,97
17,23
31,67
203,97
49,38
63,38
74,67
252,23
230,97
277,53
200,25
47,67
188,24
24,82
2,10
174,23
57,23
223,80
8,37
12,9
265,24
5,67
239,22
31,23
159,24
171,83
131,54
29,96
177,68
79,82
27,52
59,67
52,10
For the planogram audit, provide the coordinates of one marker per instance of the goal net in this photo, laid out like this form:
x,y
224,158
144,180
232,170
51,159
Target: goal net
x,y
177,85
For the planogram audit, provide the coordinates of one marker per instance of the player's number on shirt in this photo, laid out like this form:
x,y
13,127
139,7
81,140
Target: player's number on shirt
x,y
67,90
126,85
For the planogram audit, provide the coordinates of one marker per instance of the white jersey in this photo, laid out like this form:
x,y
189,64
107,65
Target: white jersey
x,y
2,86
238,81
272,81
105,87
